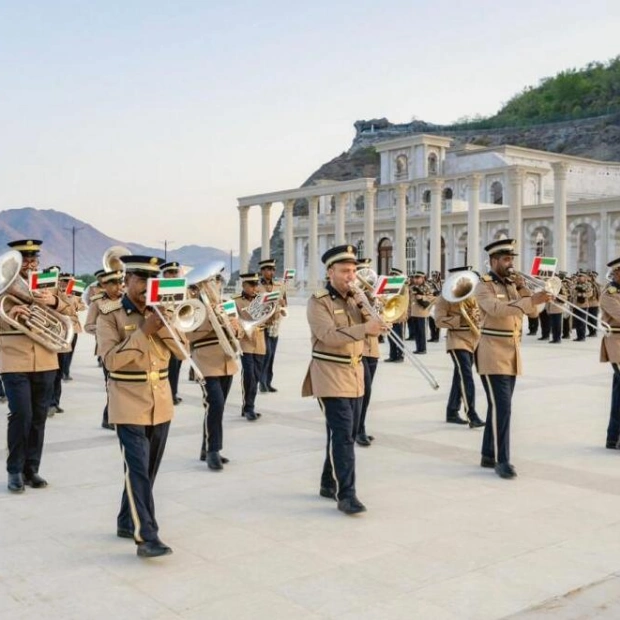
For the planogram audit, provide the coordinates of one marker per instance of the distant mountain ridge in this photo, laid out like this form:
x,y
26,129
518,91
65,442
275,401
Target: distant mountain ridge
x,y
54,228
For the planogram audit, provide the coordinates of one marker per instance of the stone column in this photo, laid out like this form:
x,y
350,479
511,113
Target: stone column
x,y
289,250
266,230
313,242
435,224
559,212
370,196
341,207
473,222
603,256
400,234
243,239
515,219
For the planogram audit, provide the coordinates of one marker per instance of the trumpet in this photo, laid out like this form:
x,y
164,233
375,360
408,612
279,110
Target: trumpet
x,y
49,328
392,307
553,286
459,289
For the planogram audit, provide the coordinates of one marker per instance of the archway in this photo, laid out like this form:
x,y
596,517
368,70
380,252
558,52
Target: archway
x,y
384,261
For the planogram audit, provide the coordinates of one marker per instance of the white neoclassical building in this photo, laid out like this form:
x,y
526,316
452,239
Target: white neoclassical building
x,y
435,207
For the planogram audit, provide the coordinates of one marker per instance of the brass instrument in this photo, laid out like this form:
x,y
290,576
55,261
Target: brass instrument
x,y
203,277
392,306
111,260
49,328
188,315
459,289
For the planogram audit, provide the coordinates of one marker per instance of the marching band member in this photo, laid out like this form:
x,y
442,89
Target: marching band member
x,y
594,303
370,358
461,343
398,327
335,375
420,299
267,285
28,371
610,349
582,294
502,305
111,283
435,283
135,346
218,370
252,345
173,270
555,312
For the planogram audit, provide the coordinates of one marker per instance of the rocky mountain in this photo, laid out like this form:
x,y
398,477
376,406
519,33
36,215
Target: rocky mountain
x,y
56,230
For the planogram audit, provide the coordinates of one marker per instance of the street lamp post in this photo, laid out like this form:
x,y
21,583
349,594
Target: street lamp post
x,y
73,230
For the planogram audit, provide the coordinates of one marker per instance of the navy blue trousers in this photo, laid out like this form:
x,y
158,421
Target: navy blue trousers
x,y
370,367
580,326
217,392
593,320
268,359
496,439
251,368
142,448
463,388
29,395
104,419
342,416
419,332
395,352
174,369
545,325
57,389
613,429
555,322
65,359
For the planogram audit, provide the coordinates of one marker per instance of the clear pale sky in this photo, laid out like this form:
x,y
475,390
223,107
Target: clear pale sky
x,y
149,118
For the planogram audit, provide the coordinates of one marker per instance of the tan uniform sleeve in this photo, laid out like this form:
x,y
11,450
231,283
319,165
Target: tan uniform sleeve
x,y
325,329
491,304
118,350
90,325
442,318
610,304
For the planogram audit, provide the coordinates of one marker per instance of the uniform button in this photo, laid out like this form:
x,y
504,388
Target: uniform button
x,y
154,364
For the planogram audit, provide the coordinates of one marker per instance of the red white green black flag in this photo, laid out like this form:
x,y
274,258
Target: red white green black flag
x,y
162,290
38,280
544,266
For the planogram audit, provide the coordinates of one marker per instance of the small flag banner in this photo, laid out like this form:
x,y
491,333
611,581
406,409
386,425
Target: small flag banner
x,y
266,298
389,285
544,266
38,280
162,290
289,274
230,308
75,287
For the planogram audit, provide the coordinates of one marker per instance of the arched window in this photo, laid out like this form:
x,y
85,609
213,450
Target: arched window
x,y
385,255
447,193
332,204
497,193
360,249
583,241
359,203
426,197
402,167
410,254
432,164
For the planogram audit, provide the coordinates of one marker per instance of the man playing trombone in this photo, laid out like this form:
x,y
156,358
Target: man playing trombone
x,y
461,316
502,302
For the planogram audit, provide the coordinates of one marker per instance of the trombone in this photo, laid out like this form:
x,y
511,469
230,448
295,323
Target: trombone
x,y
390,310
553,286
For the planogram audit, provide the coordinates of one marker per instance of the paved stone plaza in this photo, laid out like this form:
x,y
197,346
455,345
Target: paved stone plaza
x,y
442,538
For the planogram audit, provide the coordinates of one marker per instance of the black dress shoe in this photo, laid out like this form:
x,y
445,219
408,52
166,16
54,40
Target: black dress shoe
x,y
389,359
487,462
67,378
612,445
251,416
262,388
59,409
456,419
153,549
176,400
579,339
224,459
108,426
16,483
213,461
351,506
555,342
543,338
475,422
531,333
505,470
35,481
123,532
433,340
328,492
418,353
203,454
371,437
362,439
270,388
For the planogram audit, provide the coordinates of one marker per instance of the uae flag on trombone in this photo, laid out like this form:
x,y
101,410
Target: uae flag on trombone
x,y
389,285
39,280
165,290
544,266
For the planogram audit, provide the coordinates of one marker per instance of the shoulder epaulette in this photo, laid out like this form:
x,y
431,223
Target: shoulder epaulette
x,y
322,292
612,290
108,306
96,297
486,278
236,296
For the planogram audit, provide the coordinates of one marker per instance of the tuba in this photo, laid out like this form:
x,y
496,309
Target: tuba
x,y
203,278
49,328
111,260
459,289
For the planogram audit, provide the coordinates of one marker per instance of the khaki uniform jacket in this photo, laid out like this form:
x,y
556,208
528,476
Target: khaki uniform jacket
x,y
19,353
582,293
255,341
424,294
556,308
459,335
610,313
208,354
128,354
76,305
336,329
502,307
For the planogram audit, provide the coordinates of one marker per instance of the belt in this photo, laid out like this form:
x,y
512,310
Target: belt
x,y
351,360
137,376
14,332
459,329
205,343
500,333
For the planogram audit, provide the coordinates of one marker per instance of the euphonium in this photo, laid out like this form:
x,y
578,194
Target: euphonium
x,y
459,289
49,328
111,260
